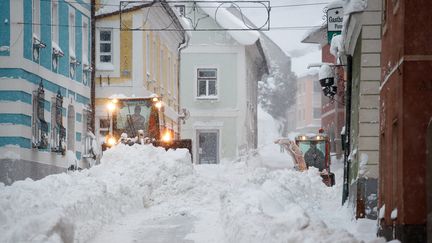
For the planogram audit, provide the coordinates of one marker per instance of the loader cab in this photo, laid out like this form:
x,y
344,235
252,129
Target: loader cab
x,y
316,153
134,117
140,120
315,150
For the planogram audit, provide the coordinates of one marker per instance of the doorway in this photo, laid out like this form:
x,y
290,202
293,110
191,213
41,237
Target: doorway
x,y
208,146
429,181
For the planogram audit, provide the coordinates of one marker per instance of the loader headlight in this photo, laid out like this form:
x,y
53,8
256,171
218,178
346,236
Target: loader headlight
x,y
158,105
167,136
111,141
111,106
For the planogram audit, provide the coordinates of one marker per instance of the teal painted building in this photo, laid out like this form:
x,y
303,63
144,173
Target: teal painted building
x,y
44,87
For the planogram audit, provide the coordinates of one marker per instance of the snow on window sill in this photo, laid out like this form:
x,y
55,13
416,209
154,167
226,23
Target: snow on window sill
x,y
105,66
212,98
56,49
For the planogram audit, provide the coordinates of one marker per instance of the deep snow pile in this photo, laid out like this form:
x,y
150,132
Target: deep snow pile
x,y
258,198
72,207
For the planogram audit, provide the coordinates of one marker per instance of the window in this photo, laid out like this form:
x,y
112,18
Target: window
x,y
71,128
206,82
72,33
36,19
161,72
155,55
148,55
37,43
181,9
316,113
39,125
169,78
105,46
54,22
85,41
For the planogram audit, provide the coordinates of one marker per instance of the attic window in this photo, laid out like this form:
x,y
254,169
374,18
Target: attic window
x,y
181,9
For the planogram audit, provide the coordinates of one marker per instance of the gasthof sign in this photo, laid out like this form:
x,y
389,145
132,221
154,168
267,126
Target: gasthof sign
x,y
335,19
334,22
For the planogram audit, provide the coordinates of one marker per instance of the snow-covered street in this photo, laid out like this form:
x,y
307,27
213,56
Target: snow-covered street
x,y
146,194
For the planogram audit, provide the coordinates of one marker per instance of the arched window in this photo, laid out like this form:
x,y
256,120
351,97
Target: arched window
x,y
71,128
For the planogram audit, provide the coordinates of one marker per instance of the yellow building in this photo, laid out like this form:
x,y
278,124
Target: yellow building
x,y
137,63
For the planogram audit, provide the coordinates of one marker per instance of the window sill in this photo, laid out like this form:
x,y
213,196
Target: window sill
x,y
209,98
106,66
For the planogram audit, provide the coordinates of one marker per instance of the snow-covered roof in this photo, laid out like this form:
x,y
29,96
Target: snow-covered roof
x,y
228,20
111,6
316,35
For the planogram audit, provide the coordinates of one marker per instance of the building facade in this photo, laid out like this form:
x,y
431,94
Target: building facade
x,y
405,186
45,87
137,63
308,104
362,42
220,71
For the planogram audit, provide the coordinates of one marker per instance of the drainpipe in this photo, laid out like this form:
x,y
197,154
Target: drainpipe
x,y
92,61
181,46
345,192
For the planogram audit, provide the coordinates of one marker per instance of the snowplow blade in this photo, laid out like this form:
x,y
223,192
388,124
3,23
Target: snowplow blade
x,y
175,144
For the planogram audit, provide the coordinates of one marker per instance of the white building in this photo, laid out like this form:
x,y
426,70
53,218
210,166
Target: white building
x,y
219,76
44,87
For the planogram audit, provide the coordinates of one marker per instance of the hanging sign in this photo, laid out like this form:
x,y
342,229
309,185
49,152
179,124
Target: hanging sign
x,y
334,22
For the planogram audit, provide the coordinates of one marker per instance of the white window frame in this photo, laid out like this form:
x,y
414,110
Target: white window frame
x,y
105,42
207,96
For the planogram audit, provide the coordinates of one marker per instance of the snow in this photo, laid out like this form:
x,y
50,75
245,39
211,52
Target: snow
x,y
104,66
228,21
352,6
325,72
71,158
336,47
394,214
4,48
56,48
381,212
363,167
144,192
10,155
111,6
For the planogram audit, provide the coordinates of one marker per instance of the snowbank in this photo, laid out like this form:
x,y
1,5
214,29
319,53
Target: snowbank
x,y
72,207
243,201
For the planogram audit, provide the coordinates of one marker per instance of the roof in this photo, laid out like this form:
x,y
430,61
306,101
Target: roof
x,y
317,35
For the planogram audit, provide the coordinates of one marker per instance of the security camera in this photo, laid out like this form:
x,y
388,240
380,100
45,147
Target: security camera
x,y
326,76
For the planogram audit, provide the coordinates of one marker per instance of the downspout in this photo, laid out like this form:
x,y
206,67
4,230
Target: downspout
x,y
92,61
180,47
347,162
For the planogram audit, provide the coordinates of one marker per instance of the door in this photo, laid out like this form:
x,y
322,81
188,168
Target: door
x,y
429,180
208,146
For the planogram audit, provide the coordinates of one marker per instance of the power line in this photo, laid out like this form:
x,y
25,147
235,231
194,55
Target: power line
x,y
304,27
220,2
